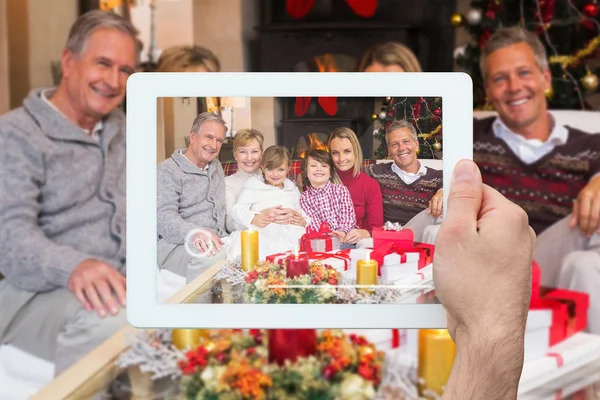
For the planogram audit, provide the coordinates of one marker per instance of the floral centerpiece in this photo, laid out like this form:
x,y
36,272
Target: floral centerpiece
x,y
235,367
268,283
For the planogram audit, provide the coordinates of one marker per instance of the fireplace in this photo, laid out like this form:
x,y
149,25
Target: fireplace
x,y
333,36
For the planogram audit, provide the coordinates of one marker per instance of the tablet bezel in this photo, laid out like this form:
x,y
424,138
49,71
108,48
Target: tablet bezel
x,y
143,90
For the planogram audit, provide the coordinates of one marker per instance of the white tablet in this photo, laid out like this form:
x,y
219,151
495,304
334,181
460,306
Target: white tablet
x,y
144,310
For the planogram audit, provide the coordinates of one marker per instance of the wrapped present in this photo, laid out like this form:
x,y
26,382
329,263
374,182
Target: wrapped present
x,y
379,253
429,249
537,333
577,306
536,277
319,241
392,234
340,260
399,265
558,328
279,258
358,254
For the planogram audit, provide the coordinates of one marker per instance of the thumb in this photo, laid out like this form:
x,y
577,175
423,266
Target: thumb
x,y
464,197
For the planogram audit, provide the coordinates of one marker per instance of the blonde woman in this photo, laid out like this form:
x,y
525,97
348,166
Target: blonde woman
x,y
389,57
247,151
365,191
188,59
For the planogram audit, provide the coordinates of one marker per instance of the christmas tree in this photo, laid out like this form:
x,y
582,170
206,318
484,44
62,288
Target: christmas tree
x,y
425,113
569,30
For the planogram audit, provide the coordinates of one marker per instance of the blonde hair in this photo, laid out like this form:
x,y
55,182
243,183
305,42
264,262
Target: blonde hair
x,y
275,156
244,136
323,157
391,53
347,133
182,58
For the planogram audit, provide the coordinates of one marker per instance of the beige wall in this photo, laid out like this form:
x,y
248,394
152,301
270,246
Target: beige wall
x,y
35,40
4,82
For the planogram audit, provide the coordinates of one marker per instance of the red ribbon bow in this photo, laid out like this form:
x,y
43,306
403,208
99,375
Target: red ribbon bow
x,y
340,255
322,233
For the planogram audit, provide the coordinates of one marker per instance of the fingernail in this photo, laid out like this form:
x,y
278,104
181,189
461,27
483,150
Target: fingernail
x,y
464,171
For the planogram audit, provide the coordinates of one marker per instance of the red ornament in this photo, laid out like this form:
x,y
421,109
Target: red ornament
x,y
437,112
590,9
291,344
490,14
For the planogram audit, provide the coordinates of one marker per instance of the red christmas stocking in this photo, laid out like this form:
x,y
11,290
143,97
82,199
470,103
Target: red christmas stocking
x,y
364,8
298,8
302,104
329,104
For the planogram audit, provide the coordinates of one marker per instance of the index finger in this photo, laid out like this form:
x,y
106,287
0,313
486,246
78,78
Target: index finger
x,y
118,284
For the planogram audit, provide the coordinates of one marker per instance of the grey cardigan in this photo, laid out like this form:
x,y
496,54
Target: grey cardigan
x,y
189,198
62,195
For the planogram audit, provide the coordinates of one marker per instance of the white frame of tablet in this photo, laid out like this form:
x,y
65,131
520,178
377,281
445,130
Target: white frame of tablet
x,y
143,89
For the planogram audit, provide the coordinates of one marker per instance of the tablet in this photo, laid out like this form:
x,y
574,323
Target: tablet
x,y
288,98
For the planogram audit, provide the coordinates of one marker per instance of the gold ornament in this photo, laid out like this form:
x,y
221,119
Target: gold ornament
x,y
437,146
590,81
457,20
418,151
549,93
374,116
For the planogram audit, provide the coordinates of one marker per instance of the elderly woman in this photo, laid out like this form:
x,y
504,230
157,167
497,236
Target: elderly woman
x,y
247,151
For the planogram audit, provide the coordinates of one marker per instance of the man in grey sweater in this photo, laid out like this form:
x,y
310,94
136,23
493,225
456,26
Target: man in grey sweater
x,y
62,200
191,201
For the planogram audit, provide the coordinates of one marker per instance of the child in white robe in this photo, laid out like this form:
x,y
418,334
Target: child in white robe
x,y
258,202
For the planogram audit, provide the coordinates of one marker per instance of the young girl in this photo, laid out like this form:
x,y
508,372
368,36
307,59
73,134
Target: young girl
x,y
260,201
325,198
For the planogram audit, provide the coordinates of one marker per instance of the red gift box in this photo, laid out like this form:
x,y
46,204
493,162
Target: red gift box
x,y
343,255
404,237
577,307
323,234
380,252
429,248
560,315
536,277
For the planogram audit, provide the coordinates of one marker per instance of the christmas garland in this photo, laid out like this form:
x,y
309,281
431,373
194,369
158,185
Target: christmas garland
x,y
268,283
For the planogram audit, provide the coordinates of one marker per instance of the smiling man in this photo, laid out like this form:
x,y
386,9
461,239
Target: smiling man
x,y
62,199
552,171
408,188
191,197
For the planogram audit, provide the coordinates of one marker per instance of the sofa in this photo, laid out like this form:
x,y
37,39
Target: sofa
x,y
22,374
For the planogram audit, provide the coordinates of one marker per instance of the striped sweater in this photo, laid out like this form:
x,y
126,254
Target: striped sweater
x,y
403,201
546,188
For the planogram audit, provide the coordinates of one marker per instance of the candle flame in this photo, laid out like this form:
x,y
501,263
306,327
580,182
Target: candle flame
x,y
368,257
296,251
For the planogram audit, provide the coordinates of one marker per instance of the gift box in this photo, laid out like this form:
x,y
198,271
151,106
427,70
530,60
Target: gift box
x,y
383,339
537,333
536,277
319,241
357,254
558,327
429,250
397,266
577,306
340,260
279,258
381,236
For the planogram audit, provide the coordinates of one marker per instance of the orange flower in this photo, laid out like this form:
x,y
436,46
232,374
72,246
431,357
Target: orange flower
x,y
276,281
250,381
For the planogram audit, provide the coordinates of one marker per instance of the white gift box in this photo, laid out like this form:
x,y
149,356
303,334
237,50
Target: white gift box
x,y
357,254
577,351
337,263
393,269
537,333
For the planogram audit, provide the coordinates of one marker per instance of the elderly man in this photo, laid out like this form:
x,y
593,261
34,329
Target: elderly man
x,y
412,193
62,201
550,170
191,201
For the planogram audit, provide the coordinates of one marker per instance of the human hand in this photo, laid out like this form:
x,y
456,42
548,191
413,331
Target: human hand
x,y
298,219
261,220
355,235
93,282
208,242
586,208
340,234
283,216
436,204
482,266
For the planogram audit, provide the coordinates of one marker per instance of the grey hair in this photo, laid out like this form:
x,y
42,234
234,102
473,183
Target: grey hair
x,y
507,36
87,24
401,124
203,118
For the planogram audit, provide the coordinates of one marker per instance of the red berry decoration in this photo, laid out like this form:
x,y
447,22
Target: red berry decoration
x,y
328,372
221,357
437,112
590,9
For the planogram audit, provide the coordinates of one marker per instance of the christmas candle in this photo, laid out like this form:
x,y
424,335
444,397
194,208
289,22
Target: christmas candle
x,y
296,264
249,249
366,273
436,357
184,339
290,344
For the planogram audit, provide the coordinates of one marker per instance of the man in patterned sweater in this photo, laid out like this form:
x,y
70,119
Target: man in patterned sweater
x,y
408,188
552,171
